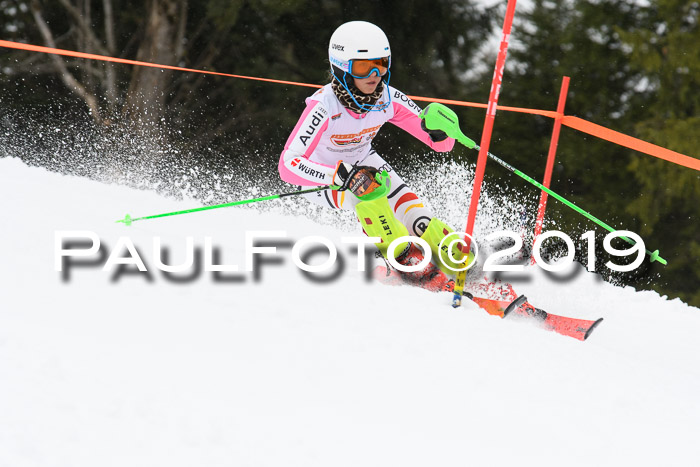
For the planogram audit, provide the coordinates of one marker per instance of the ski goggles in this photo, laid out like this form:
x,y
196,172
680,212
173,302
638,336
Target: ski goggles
x,y
363,68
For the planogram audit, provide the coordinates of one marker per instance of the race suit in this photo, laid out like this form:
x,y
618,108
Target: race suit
x,y
327,132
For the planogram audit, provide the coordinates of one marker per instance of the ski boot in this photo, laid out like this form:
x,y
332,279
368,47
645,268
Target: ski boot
x,y
430,278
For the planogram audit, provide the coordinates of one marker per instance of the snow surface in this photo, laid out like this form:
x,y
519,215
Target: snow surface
x,y
104,371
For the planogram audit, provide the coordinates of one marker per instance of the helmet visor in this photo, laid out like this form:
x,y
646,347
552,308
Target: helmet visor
x,y
363,68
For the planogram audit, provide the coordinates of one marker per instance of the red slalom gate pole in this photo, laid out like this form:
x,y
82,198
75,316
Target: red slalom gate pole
x,y
485,142
550,160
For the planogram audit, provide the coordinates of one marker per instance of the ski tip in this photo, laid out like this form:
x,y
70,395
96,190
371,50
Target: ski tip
x,y
593,326
456,300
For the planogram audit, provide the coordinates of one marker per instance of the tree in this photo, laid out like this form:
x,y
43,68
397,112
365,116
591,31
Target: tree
x,y
157,31
285,40
666,49
161,41
634,69
577,39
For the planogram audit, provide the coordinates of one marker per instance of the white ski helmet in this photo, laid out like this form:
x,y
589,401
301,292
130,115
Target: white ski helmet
x,y
354,41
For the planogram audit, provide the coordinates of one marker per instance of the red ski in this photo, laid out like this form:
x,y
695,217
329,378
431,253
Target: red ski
x,y
507,305
577,328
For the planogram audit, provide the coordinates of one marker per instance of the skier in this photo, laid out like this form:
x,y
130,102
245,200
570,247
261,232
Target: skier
x,y
332,145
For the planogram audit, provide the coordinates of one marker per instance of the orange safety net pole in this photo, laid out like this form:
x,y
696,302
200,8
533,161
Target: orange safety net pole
x,y
550,158
484,146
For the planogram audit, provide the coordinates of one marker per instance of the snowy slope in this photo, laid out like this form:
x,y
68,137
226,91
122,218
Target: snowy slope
x,y
284,371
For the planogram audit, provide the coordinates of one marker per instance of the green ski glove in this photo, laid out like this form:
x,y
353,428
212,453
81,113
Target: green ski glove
x,y
437,116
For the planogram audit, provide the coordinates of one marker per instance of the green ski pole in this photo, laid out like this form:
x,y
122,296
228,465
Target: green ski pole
x,y
128,219
441,117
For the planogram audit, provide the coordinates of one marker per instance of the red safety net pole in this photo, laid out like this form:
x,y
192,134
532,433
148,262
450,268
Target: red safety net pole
x,y
550,158
485,141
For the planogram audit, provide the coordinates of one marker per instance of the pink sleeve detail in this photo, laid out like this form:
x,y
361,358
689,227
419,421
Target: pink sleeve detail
x,y
295,131
290,177
301,144
316,140
410,122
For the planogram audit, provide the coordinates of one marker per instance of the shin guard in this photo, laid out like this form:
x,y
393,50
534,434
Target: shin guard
x,y
377,217
445,257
